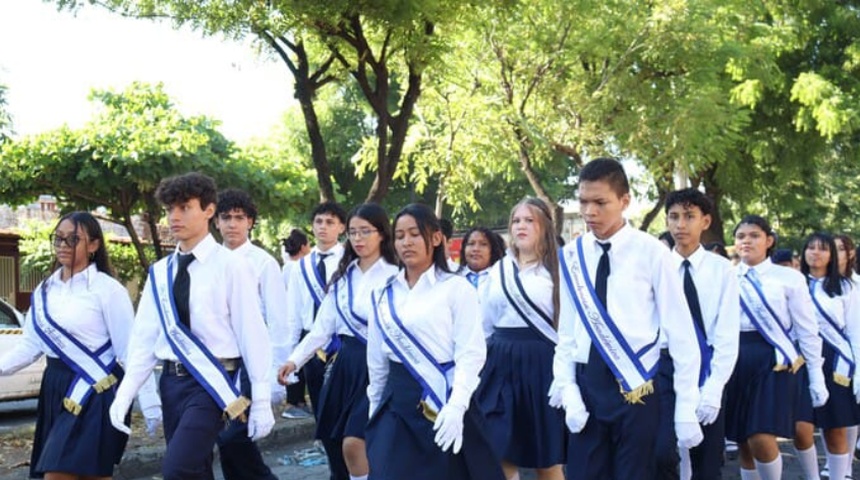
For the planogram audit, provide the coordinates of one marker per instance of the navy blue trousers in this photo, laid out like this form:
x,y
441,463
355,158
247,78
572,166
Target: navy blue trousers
x,y
618,439
240,457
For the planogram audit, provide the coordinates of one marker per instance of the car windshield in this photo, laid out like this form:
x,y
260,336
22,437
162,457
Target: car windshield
x,y
8,319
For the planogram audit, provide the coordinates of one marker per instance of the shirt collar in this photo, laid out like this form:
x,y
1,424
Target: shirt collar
x,y
760,269
203,250
84,277
617,239
336,250
430,277
244,248
696,259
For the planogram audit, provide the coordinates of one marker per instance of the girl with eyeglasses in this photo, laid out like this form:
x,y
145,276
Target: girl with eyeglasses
x,y
80,318
368,261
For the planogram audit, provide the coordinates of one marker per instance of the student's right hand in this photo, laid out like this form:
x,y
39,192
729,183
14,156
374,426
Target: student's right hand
x,y
555,396
285,371
576,416
118,411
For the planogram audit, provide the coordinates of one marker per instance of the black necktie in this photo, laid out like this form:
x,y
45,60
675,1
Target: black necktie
x,y
321,270
692,297
603,274
182,289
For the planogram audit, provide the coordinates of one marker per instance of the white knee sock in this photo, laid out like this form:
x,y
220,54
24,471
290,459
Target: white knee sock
x,y
358,477
685,469
808,462
839,465
515,477
749,474
771,470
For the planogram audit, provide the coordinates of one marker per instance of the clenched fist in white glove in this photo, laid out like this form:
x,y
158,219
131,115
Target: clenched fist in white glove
x,y
261,420
576,416
817,387
449,428
689,434
555,396
118,411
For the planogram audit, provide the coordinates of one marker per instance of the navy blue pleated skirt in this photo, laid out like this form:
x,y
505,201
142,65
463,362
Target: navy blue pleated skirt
x,y
400,439
343,398
759,400
83,444
512,395
803,411
841,409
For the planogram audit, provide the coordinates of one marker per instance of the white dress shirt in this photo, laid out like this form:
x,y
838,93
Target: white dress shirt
x,y
645,297
717,289
788,295
300,302
497,310
441,312
329,321
272,297
224,313
91,306
845,311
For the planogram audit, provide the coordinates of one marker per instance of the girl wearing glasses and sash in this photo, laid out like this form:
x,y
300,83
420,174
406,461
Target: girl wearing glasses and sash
x,y
368,261
777,317
80,318
835,301
425,348
520,308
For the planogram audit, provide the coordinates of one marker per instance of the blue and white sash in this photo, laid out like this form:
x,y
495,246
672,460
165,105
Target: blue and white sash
x,y
344,298
92,369
755,306
843,370
434,378
316,286
636,381
190,351
535,318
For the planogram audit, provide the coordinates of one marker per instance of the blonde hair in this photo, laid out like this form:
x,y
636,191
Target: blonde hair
x,y
546,248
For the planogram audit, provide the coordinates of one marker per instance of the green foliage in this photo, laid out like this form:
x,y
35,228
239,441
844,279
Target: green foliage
x,y
5,116
37,254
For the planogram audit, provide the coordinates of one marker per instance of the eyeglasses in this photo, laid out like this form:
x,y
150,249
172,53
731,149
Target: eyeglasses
x,y
71,241
363,233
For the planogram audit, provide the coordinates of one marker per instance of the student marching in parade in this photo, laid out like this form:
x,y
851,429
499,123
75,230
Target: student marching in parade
x,y
848,267
80,318
776,314
711,291
368,261
519,308
619,291
481,249
835,301
199,316
295,248
426,347
235,217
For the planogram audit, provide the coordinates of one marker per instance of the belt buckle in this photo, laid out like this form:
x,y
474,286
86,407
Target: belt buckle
x,y
181,371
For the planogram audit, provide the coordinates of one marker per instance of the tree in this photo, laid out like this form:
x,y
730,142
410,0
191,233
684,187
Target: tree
x,y
5,117
117,160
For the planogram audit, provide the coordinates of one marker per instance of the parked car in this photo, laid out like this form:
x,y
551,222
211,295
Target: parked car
x,y
25,382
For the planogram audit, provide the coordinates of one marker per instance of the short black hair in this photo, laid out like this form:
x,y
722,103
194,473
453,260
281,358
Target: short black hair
x,y
447,228
330,208
235,199
668,238
718,248
182,188
689,197
295,241
607,170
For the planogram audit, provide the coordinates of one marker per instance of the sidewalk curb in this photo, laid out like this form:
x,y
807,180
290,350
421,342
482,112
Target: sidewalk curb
x,y
145,461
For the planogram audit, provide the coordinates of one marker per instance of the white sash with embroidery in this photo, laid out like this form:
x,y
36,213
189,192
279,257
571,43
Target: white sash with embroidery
x,y
755,306
313,280
844,365
193,355
434,378
93,369
344,299
535,318
636,380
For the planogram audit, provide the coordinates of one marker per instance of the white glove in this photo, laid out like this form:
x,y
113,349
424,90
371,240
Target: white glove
x,y
261,420
449,428
576,416
817,388
118,411
555,396
689,434
152,415
707,414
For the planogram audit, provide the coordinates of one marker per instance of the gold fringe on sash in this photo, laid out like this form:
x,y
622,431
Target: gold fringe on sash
x,y
105,383
237,408
637,394
428,412
842,380
323,357
795,366
72,406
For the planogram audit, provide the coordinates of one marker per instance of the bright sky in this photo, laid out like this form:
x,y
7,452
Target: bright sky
x,y
50,60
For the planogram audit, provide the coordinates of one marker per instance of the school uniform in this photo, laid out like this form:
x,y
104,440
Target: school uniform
x,y
760,397
643,295
525,430
95,310
715,286
240,458
225,320
438,320
345,312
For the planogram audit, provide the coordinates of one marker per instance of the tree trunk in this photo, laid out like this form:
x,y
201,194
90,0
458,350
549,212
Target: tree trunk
x,y
524,155
716,232
318,152
655,210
